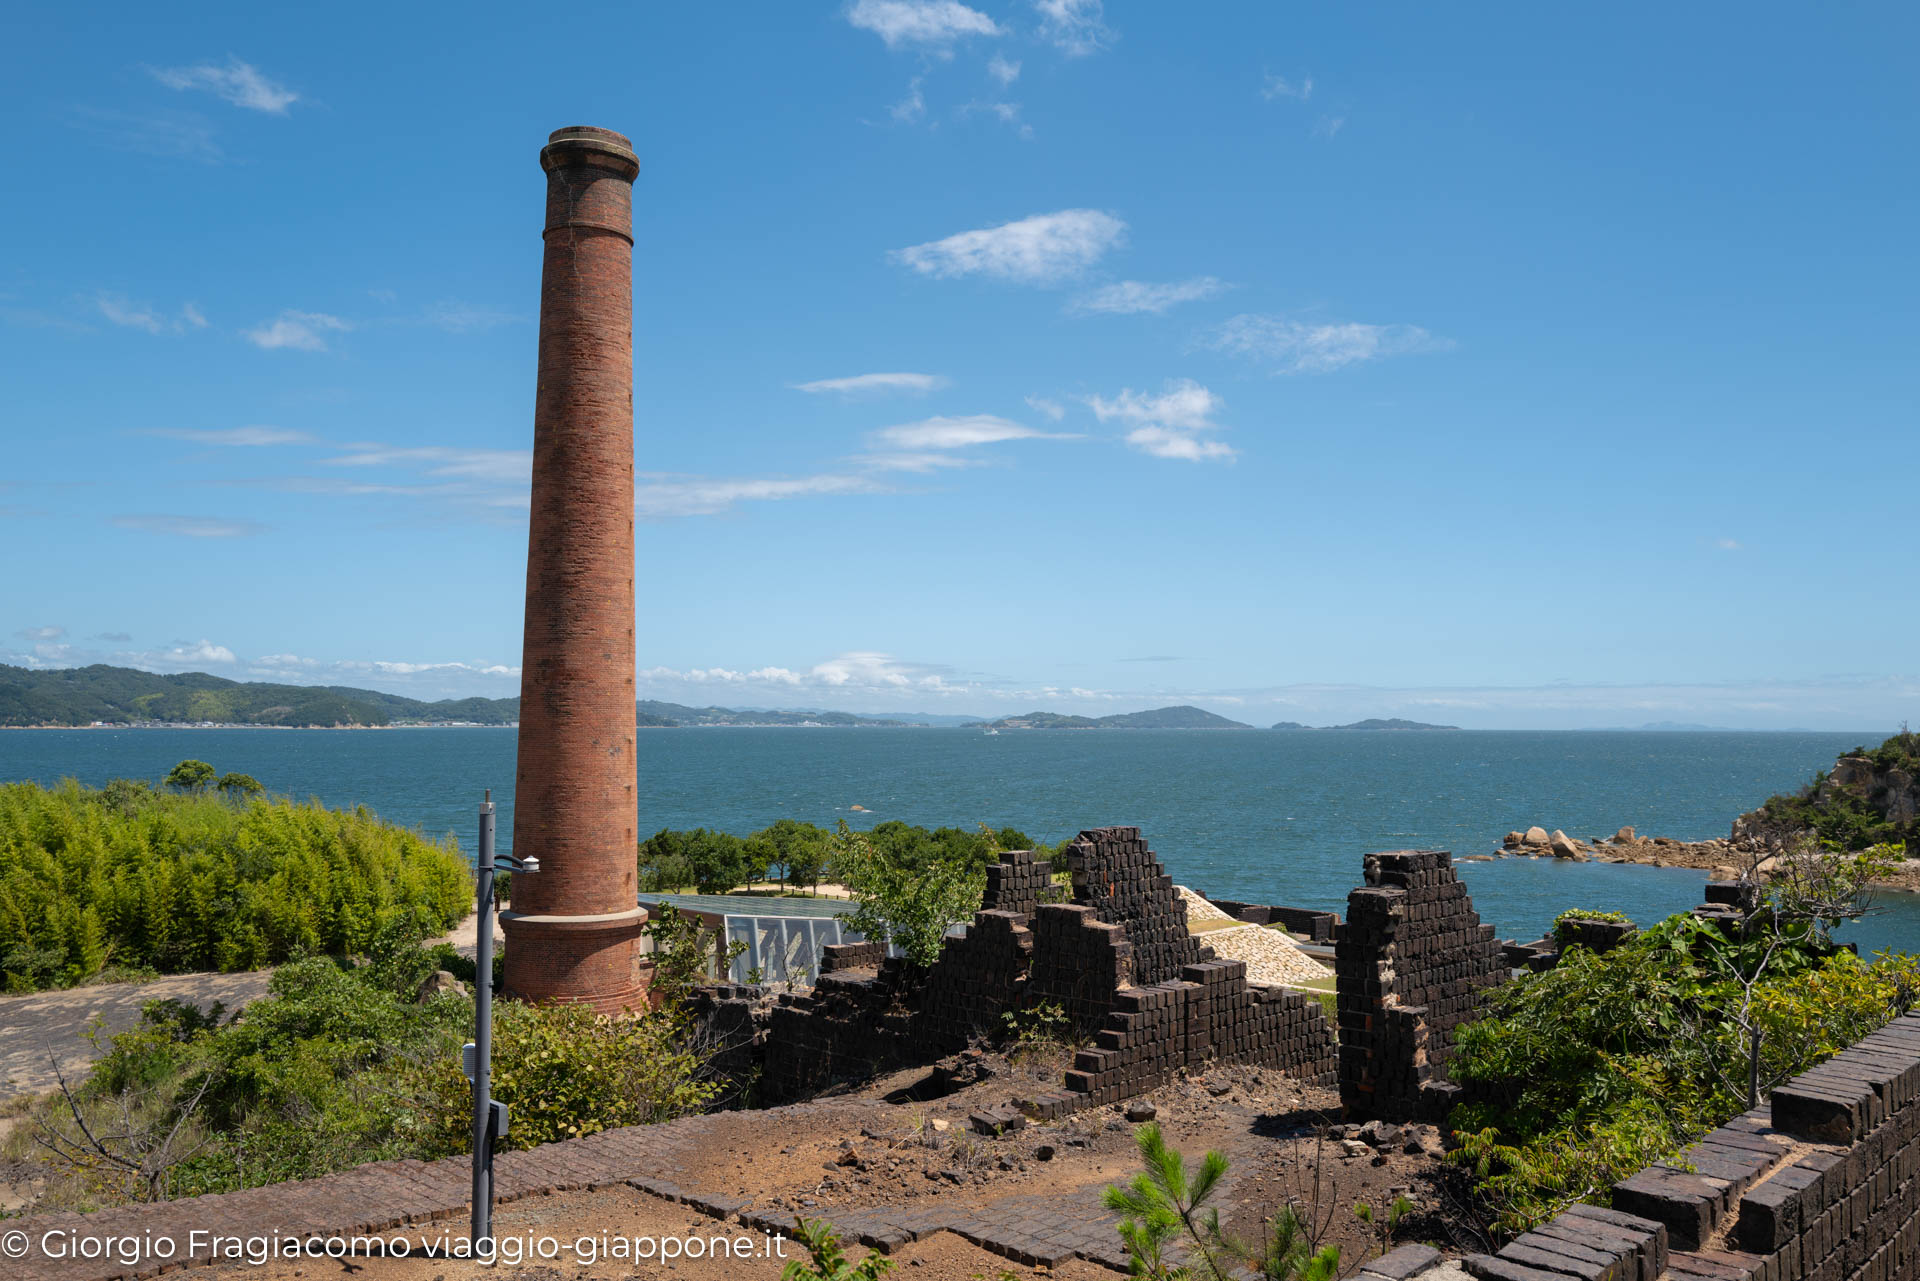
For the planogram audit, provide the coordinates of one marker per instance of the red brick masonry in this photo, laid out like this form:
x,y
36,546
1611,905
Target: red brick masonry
x,y
571,931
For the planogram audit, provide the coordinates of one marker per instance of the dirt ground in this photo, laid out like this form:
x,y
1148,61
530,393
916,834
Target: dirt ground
x,y
892,1153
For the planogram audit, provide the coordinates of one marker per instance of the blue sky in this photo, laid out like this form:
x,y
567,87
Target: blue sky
x,y
1507,366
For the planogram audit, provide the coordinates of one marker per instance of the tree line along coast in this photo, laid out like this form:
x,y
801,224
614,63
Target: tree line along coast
x,y
107,696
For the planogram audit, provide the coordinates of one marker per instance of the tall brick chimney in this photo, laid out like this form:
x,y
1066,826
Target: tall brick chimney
x,y
572,929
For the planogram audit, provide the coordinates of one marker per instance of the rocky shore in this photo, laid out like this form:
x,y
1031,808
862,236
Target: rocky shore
x,y
1722,858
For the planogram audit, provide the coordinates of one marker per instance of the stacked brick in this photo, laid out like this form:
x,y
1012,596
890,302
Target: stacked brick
x,y
852,956
1016,883
728,1024
1116,875
1079,962
1412,963
848,1027
979,976
1211,1013
1822,1183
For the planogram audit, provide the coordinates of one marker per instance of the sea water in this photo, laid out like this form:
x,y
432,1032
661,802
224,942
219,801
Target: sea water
x,y
1263,816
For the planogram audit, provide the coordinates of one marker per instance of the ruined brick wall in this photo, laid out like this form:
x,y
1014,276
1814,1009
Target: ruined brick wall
x,y
978,978
1820,1183
1412,963
1210,1013
1016,884
1079,962
848,1027
866,1015
1116,875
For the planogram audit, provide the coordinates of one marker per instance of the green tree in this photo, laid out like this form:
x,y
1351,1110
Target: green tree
x,y
798,849
910,904
190,776
717,860
239,786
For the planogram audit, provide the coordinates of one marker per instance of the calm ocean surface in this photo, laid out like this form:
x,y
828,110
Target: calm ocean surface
x,y
1262,816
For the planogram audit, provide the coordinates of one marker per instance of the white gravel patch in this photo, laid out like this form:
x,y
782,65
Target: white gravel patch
x,y
1270,955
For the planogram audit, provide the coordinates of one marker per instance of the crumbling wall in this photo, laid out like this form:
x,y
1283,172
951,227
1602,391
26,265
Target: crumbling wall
x,y
1210,1013
1016,883
1116,875
978,978
849,1026
1820,1182
1183,1008
1412,963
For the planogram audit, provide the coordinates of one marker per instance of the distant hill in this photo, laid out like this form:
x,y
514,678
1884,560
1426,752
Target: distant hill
x,y
1291,725
1392,722
1159,718
126,695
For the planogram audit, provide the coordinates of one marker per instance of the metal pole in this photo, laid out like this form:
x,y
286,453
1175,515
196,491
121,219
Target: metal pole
x,y
483,1031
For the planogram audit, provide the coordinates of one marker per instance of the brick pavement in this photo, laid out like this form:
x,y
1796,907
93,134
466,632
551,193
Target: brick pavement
x,y
389,1195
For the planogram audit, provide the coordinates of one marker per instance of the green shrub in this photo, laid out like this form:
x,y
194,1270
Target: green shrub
x,y
1561,933
565,1071
179,882
1588,1072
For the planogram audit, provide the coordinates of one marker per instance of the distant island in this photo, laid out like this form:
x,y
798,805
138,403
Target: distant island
x,y
1392,722
1159,718
104,695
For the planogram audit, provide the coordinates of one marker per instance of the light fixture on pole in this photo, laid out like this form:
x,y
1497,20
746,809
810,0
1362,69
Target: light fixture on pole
x,y
476,1056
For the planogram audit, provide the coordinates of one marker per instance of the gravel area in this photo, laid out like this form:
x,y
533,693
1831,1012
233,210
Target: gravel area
x,y
1271,956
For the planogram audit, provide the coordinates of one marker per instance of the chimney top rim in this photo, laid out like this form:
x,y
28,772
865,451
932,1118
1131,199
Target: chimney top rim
x,y
577,143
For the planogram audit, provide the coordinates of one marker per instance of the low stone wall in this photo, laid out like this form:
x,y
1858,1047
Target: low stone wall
x,y
1317,927
1821,1183
1412,963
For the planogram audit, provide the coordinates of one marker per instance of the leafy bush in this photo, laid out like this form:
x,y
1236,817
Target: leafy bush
x,y
1561,933
1845,819
339,1065
183,882
909,904
564,1071
1586,1073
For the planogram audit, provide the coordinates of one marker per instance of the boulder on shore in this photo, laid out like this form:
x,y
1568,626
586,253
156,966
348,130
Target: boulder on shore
x,y
1535,836
1562,845
1513,840
1624,836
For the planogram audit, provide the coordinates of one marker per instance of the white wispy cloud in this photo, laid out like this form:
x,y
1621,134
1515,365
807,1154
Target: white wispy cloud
x,y
1007,113
468,317
1133,297
1727,544
143,316
911,107
957,432
1037,250
663,497
243,437
1003,70
862,384
170,135
932,25
1051,408
1169,424
296,331
1329,126
1075,27
495,465
239,83
189,526
1295,347
41,633
1281,87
